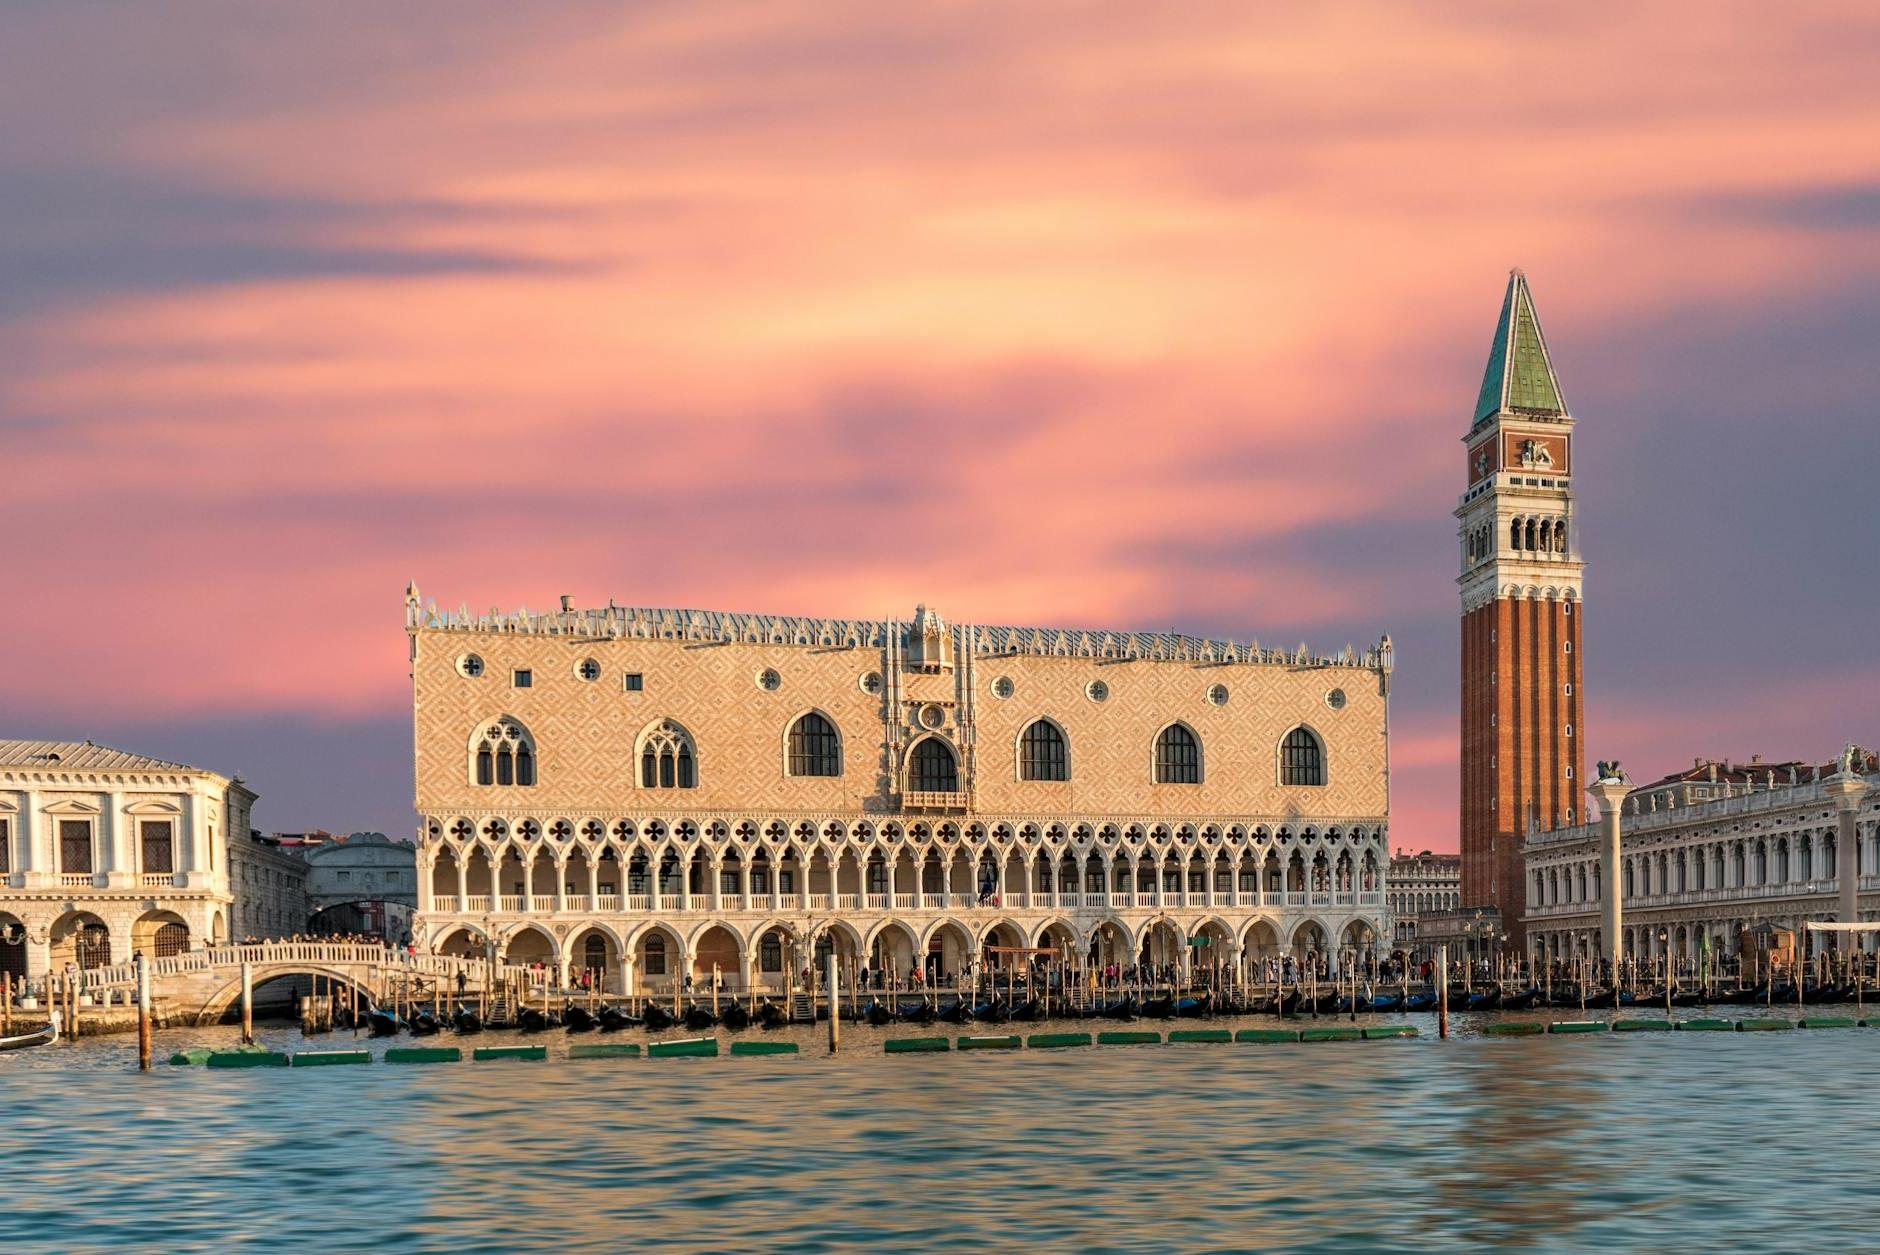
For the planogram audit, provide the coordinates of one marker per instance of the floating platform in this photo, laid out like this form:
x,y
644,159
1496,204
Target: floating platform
x,y
1340,1032
915,1045
329,1058
1763,1026
195,1056
1641,1026
604,1050
424,1054
1129,1037
1262,1036
701,1047
1051,1041
1515,1028
1578,1026
483,1053
990,1043
1829,1021
247,1059
1706,1026
1377,1032
1199,1035
763,1047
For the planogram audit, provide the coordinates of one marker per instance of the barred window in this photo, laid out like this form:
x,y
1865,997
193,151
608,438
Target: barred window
x,y
815,749
934,768
1302,761
656,955
159,847
1042,754
1177,756
75,846
6,848
171,938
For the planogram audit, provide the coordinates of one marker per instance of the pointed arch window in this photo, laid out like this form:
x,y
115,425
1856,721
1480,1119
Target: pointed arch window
x,y
933,768
1177,756
1302,758
503,754
815,748
1042,754
668,759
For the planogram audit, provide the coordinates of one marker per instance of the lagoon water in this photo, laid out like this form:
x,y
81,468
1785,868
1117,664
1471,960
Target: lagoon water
x,y
1742,1142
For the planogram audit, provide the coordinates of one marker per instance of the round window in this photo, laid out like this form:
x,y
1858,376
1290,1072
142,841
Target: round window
x,y
588,670
1097,691
870,682
769,680
932,717
1335,699
470,665
1003,686
1217,695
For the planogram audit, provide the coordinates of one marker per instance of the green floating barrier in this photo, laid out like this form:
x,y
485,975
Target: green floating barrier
x,y
1763,1026
329,1058
1706,1026
1578,1026
1201,1035
1378,1032
424,1054
604,1050
1518,1028
763,1047
1129,1037
195,1055
1046,1041
1828,1021
1263,1035
989,1043
915,1045
482,1053
1341,1032
247,1059
684,1046
1641,1026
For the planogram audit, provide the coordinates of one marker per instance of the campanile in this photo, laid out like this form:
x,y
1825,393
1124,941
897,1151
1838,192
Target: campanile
x,y
1521,614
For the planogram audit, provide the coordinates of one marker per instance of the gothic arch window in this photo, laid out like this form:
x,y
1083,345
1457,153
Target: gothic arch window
x,y
932,768
1177,755
1301,758
668,759
502,753
1514,534
815,748
1560,535
1042,752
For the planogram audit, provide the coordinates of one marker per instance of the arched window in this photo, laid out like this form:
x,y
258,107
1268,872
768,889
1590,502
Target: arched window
x,y
594,953
171,939
1514,534
1301,759
503,754
656,955
1177,756
1041,752
667,758
933,768
815,749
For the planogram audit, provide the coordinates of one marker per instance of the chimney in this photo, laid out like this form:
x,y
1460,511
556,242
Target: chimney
x,y
567,603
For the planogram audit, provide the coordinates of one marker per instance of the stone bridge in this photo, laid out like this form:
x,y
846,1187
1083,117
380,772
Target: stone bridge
x,y
198,987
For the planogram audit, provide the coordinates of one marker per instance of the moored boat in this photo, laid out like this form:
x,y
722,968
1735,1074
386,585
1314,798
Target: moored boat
x,y
735,1017
38,1037
578,1019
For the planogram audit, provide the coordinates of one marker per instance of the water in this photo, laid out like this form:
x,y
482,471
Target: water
x,y
1747,1142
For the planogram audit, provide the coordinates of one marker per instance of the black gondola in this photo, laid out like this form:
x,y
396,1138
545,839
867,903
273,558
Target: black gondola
x,y
698,1018
657,1017
465,1020
1194,1008
1420,1002
424,1024
578,1019
877,1015
994,1012
534,1020
1387,1002
383,1024
613,1019
735,1017
959,1013
1030,1011
1522,999
1158,1009
770,1015
917,1012
1123,1008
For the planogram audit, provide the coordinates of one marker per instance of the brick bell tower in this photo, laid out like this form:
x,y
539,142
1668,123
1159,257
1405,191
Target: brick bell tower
x,y
1521,615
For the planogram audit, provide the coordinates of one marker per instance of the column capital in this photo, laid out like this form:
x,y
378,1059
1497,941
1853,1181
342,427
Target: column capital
x,y
1846,789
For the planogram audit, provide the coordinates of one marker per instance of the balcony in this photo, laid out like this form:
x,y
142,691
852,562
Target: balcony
x,y
157,880
444,905
921,800
77,880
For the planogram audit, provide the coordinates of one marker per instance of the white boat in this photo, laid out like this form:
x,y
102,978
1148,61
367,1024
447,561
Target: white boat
x,y
48,1034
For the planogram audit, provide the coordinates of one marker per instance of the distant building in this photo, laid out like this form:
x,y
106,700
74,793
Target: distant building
x,y
363,883
1421,885
270,887
104,853
1708,854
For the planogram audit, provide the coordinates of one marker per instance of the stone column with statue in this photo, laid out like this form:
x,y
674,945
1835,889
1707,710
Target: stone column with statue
x,y
1846,787
1610,786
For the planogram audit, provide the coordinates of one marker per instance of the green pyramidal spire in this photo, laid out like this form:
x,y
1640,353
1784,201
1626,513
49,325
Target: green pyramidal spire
x,y
1520,377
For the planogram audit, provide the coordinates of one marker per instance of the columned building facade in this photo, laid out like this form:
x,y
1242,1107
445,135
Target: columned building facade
x,y
1421,886
651,795
1522,614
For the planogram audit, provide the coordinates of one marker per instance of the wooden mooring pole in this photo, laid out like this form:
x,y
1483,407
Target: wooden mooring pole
x,y
835,1005
248,1005
143,1015
1442,991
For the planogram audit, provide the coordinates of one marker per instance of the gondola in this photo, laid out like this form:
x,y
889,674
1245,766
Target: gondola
x,y
1482,1000
770,1015
961,1012
1194,1008
1521,1000
578,1019
918,1012
994,1012
698,1018
40,1037
1030,1011
878,1015
1158,1009
383,1024
1420,1002
1123,1008
535,1020
1387,1002
613,1019
464,1020
425,1024
735,1017
657,1017
1348,1005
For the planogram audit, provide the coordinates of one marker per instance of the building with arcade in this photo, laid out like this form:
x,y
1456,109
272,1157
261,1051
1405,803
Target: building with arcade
x,y
651,794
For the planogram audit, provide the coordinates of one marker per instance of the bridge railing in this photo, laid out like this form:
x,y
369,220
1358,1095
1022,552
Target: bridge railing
x,y
283,953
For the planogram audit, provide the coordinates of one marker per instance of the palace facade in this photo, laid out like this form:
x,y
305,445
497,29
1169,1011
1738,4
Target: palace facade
x,y
1708,853
1421,886
649,794
104,853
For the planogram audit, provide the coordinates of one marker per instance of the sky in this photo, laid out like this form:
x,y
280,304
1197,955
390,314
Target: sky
x,y
1120,316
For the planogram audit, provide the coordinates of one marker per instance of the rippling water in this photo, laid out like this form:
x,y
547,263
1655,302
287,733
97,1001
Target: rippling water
x,y
1660,1142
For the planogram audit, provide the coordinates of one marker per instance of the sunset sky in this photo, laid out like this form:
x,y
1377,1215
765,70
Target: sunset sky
x,y
1131,316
